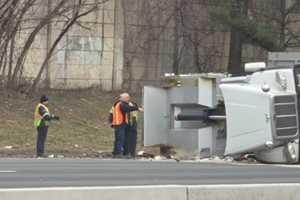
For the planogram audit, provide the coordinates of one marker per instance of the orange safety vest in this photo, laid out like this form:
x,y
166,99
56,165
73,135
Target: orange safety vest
x,y
118,117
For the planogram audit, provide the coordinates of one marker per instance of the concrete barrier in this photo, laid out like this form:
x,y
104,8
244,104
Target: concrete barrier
x,y
245,192
97,193
203,192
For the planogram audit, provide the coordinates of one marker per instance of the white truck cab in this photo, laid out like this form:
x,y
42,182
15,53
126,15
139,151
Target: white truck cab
x,y
220,114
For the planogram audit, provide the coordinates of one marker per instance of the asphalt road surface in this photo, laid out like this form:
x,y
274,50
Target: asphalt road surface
x,y
24,173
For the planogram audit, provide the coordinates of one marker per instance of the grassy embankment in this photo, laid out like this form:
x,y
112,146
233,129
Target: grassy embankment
x,y
82,132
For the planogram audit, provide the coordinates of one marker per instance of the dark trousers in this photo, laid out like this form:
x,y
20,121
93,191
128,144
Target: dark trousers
x,y
130,141
41,138
119,139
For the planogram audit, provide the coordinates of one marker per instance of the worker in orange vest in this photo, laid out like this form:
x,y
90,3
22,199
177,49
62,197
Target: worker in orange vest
x,y
119,120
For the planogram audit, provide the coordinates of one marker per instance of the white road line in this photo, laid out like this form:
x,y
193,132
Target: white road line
x,y
7,171
241,186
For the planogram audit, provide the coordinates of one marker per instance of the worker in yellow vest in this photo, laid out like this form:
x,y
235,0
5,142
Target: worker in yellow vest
x,y
119,121
131,133
42,117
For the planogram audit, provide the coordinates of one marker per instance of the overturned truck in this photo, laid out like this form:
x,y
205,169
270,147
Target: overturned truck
x,y
224,115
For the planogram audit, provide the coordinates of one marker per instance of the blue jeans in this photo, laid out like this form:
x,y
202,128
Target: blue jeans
x,y
119,139
130,141
41,138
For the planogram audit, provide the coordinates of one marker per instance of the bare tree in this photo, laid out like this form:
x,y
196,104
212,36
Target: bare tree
x,y
171,36
27,16
269,24
284,18
143,39
200,36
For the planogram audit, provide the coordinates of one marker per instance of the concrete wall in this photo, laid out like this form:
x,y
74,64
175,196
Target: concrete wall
x,y
86,55
204,192
132,43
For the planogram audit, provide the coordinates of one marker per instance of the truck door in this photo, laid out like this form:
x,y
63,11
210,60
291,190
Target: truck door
x,y
156,116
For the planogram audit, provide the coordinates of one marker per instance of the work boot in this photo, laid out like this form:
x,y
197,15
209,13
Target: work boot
x,y
128,156
118,156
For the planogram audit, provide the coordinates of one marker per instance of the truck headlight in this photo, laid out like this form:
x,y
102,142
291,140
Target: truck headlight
x,y
281,80
291,151
265,87
269,144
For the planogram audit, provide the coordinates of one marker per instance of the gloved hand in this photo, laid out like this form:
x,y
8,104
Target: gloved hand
x,y
55,117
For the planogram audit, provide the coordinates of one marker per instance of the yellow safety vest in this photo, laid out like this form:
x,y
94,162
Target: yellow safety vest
x,y
37,117
133,114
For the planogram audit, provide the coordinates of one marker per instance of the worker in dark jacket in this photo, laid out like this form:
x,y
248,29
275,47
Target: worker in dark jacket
x,y
120,115
131,133
42,117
